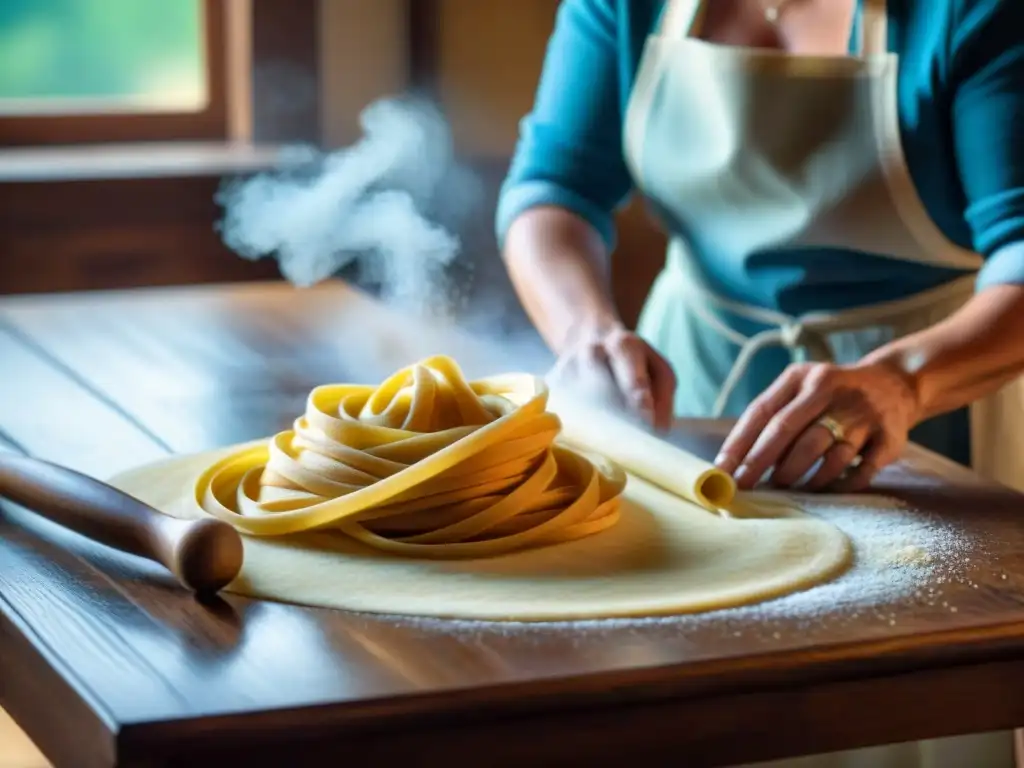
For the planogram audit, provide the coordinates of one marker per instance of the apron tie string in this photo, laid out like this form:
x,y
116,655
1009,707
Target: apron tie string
x,y
806,337
803,342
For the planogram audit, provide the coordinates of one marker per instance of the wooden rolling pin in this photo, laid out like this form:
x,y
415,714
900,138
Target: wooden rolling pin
x,y
204,555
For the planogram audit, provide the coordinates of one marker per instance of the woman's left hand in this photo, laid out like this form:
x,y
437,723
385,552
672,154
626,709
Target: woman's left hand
x,y
871,406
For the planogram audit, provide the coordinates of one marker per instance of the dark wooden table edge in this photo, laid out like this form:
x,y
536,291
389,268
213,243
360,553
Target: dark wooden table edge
x,y
588,698
68,699
625,695
799,718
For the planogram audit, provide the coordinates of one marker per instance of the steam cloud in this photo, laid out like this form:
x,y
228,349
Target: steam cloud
x,y
388,204
388,207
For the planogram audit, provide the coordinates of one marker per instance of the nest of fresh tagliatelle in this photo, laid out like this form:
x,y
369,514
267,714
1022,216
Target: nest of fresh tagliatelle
x,y
426,464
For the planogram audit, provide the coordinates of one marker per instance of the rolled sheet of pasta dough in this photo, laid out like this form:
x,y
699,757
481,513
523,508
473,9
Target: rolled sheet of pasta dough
x,y
641,453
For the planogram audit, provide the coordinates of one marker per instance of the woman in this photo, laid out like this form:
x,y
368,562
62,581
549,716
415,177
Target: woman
x,y
843,183
809,157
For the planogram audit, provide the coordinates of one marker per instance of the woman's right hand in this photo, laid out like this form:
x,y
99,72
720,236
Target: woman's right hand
x,y
612,365
558,264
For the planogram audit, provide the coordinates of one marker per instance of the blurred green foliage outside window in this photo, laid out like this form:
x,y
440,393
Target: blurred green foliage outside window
x,y
93,56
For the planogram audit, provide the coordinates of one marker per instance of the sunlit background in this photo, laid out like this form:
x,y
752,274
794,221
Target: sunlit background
x,y
82,56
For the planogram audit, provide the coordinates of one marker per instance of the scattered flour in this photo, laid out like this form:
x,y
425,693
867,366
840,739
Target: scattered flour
x,y
902,557
898,552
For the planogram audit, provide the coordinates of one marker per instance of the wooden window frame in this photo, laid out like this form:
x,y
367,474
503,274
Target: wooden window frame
x,y
210,123
111,202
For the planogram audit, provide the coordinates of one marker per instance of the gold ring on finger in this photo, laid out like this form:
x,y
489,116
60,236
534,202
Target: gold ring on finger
x,y
834,428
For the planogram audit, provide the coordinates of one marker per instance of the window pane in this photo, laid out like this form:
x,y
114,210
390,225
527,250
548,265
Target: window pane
x,y
88,56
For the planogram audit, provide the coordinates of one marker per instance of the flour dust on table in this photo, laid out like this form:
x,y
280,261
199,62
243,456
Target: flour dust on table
x,y
902,558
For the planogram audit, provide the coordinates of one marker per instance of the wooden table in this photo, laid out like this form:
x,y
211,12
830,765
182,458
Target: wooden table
x,y
102,660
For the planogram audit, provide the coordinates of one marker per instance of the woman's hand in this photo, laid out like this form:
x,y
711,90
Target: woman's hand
x,y
872,404
609,364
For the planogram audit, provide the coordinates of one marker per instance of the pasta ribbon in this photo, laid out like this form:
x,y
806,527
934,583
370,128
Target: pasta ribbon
x,y
426,464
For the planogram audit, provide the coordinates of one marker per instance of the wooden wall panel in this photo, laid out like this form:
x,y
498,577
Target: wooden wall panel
x,y
364,56
286,67
88,235
489,61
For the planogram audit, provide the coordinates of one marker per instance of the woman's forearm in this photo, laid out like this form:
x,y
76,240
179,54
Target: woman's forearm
x,y
558,265
965,357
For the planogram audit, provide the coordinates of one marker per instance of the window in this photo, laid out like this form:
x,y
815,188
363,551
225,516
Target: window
x,y
74,71
88,56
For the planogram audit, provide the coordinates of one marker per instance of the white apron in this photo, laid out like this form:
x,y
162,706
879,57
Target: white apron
x,y
712,140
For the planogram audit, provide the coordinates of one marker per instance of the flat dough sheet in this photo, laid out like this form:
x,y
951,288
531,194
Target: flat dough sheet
x,y
664,556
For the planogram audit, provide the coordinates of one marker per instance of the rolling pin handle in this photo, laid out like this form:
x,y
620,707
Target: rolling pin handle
x,y
204,555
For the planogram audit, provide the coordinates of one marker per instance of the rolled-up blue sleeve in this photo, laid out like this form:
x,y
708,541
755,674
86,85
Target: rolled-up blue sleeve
x,y
569,152
987,70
